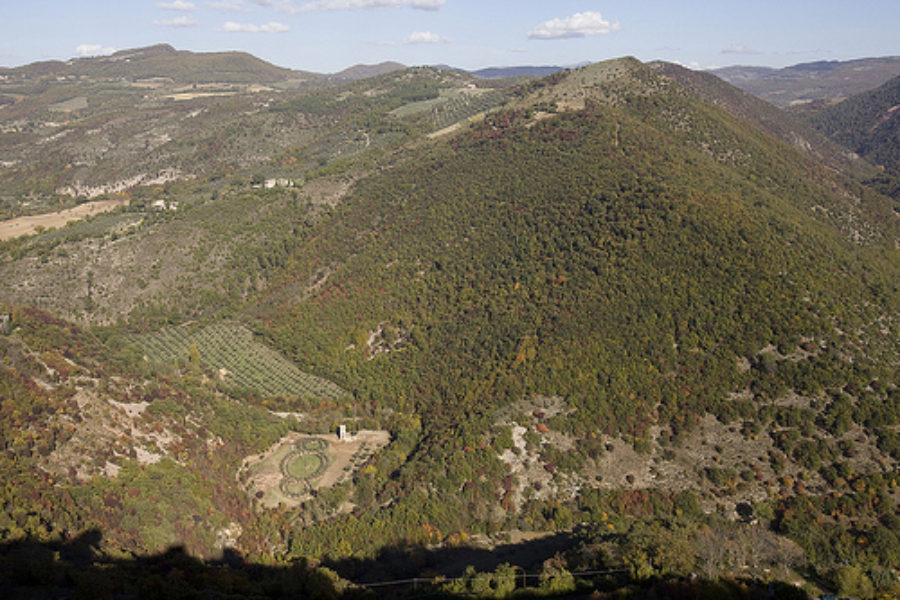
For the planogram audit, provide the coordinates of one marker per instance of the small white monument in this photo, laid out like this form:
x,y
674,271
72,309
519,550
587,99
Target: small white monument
x,y
342,432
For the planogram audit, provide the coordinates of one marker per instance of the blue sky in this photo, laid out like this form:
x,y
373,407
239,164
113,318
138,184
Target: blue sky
x,y
329,35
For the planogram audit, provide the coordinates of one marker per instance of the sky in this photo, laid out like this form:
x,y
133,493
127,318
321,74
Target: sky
x,y
326,36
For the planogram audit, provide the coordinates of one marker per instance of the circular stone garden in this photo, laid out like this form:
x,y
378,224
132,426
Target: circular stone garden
x,y
301,465
304,466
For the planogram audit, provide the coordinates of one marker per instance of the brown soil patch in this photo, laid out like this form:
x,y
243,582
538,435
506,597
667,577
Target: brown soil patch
x,y
194,95
27,225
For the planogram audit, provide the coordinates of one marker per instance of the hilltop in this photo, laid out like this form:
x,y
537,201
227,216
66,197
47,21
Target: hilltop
x,y
624,311
364,71
160,62
785,126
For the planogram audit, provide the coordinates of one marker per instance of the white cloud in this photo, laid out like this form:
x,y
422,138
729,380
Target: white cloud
x,y
424,37
578,25
323,5
738,49
176,5
297,6
270,27
182,21
93,50
229,5
694,65
244,5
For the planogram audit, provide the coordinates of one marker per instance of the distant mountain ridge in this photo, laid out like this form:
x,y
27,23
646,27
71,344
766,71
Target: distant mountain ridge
x,y
363,71
162,60
832,80
151,61
522,71
869,125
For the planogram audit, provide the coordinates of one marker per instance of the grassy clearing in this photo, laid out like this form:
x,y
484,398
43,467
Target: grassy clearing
x,y
270,466
242,362
77,103
304,466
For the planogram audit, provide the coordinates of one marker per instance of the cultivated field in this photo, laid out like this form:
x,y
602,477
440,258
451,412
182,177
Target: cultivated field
x,y
240,361
462,106
453,105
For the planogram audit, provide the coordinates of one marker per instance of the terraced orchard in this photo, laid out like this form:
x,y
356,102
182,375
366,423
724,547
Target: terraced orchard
x,y
240,360
454,105
463,105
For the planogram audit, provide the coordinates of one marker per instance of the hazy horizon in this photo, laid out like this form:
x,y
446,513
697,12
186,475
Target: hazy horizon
x,y
328,36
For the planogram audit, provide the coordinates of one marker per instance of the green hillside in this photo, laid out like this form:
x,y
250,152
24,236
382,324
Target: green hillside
x,y
627,258
785,126
616,326
93,441
869,124
92,136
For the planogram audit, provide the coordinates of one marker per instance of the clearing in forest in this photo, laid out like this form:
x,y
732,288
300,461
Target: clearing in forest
x,y
31,224
292,469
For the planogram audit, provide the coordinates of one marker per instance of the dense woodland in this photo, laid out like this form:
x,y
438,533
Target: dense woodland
x,y
869,124
653,264
865,123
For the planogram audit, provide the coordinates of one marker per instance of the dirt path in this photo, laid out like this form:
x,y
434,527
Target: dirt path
x,y
444,131
27,225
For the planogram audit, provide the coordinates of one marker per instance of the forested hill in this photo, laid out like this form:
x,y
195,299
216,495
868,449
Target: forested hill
x,y
612,241
868,123
784,125
548,250
608,308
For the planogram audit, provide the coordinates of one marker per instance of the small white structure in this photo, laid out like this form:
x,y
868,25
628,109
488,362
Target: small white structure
x,y
342,432
280,182
165,205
